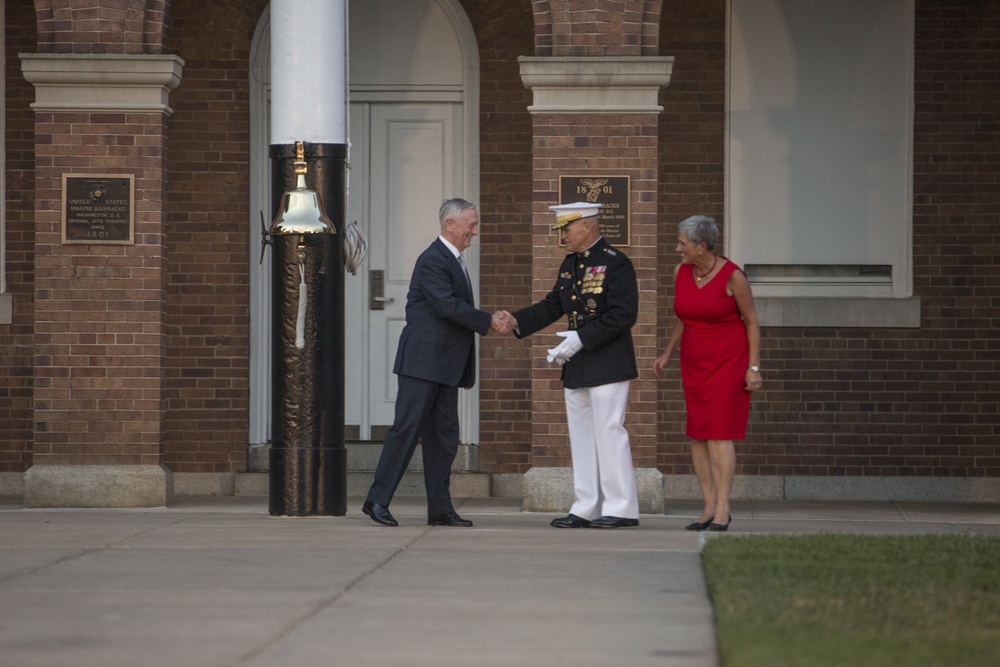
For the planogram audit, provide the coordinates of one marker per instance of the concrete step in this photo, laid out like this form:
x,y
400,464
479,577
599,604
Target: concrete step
x,y
362,456
362,459
463,484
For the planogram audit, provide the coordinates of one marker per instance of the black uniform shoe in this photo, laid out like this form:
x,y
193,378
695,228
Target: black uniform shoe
x,y
378,513
449,519
613,522
571,521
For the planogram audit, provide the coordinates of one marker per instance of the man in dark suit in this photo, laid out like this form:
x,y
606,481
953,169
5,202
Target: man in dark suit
x,y
436,356
597,292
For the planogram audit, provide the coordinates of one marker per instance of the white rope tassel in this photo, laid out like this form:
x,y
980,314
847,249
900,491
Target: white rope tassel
x,y
355,248
300,321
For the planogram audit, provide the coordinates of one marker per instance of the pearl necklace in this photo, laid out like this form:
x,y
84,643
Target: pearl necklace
x,y
705,275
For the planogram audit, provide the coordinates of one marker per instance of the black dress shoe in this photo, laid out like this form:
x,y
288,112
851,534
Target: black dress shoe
x,y
721,527
613,522
700,525
571,521
449,519
378,513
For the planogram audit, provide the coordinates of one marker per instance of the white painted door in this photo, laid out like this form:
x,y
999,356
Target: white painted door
x,y
413,143
406,159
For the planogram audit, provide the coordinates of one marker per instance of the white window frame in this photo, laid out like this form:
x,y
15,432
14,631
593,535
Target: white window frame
x,y
836,278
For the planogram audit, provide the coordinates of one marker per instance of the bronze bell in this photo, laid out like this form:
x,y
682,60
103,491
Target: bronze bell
x,y
300,211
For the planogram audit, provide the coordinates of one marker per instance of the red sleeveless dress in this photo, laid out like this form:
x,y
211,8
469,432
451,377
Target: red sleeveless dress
x,y
714,355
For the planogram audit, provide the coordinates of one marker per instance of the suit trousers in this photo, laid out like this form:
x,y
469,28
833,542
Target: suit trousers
x,y
425,411
603,476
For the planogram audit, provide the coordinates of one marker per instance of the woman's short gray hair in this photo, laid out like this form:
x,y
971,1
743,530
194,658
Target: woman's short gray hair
x,y
700,229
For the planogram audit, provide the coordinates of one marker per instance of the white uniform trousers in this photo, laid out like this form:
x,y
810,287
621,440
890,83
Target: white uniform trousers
x,y
603,477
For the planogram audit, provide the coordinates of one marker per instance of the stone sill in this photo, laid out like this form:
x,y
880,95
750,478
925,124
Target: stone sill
x,y
865,313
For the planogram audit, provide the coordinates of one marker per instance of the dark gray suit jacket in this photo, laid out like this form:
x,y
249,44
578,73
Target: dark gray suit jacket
x,y
438,342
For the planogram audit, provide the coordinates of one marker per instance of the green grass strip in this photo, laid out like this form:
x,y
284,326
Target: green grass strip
x,y
867,600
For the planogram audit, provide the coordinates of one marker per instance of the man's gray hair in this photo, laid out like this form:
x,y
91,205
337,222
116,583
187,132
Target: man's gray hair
x,y
700,229
452,206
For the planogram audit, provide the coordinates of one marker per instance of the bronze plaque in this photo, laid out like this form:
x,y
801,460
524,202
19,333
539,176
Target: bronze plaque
x,y
98,208
610,191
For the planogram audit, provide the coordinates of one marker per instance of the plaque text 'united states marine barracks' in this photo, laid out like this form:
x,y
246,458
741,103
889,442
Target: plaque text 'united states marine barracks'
x,y
98,208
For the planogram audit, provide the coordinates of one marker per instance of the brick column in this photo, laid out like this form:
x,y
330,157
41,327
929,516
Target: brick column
x,y
594,115
100,352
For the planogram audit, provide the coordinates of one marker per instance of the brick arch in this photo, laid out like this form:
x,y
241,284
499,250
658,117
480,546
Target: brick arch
x,y
596,28
542,12
120,27
650,43
154,25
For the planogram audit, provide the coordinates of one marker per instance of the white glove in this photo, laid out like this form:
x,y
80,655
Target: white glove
x,y
552,357
562,352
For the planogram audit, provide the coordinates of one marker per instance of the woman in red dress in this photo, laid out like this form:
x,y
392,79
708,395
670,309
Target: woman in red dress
x,y
719,341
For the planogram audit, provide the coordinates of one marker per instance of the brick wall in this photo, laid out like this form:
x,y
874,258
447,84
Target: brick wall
x,y
16,339
209,231
948,403
504,32
99,341
869,402
837,402
692,129
599,144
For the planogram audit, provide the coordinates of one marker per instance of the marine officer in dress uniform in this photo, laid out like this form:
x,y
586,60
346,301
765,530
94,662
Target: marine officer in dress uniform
x,y
597,292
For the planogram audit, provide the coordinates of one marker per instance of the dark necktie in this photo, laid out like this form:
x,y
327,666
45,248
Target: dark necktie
x,y
468,280
465,270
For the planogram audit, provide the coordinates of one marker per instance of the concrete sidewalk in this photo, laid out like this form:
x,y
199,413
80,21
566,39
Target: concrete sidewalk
x,y
216,581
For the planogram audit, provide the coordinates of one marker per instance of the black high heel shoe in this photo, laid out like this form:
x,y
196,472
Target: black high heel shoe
x,y
721,527
700,525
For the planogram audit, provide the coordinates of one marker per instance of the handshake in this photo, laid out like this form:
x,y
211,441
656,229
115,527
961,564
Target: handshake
x,y
505,323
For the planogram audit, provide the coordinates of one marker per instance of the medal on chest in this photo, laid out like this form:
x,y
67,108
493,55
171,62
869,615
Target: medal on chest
x,y
593,280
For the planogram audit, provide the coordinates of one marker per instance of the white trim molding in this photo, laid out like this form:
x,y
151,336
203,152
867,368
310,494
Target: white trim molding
x,y
70,82
595,85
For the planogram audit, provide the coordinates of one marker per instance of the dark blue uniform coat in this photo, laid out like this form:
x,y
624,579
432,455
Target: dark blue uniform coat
x,y
597,292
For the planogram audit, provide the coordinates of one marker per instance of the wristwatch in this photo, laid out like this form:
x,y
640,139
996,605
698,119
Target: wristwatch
x,y
755,369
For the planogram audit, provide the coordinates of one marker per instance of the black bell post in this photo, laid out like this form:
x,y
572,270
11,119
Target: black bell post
x,y
308,459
